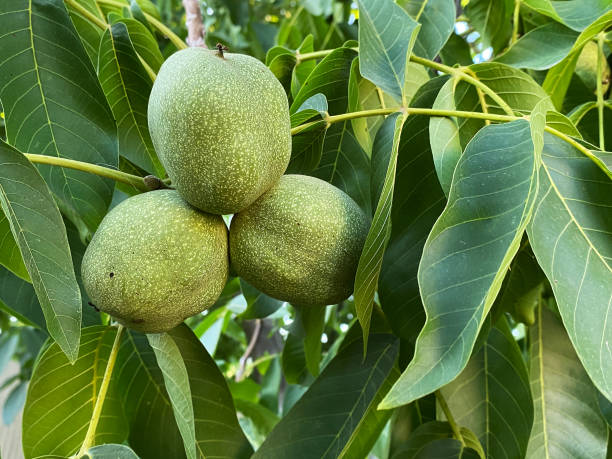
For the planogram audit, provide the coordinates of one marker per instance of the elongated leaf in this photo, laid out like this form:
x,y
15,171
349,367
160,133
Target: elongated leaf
x,y
386,38
418,201
540,48
345,164
259,305
558,78
89,32
444,137
364,95
489,205
328,418
10,256
570,236
144,43
61,398
173,368
491,396
491,18
370,261
18,298
303,69
54,104
577,14
127,87
14,402
153,430
437,19
567,421
39,230
586,118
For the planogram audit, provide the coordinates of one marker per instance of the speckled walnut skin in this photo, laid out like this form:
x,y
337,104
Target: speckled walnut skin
x,y
221,128
300,242
155,261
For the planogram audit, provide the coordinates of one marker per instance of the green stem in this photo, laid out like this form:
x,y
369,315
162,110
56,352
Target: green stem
x,y
87,14
408,111
97,411
515,21
456,72
600,95
162,28
119,176
449,416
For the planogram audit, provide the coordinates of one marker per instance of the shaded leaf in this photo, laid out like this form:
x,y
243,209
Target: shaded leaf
x,y
10,256
491,396
368,270
577,14
61,398
54,104
39,231
418,201
489,205
14,402
18,298
127,87
144,43
259,305
338,400
153,430
176,380
565,425
492,19
569,234
89,32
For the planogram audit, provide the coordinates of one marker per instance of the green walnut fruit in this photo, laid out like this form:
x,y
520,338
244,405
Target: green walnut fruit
x,y
155,261
586,67
220,125
300,242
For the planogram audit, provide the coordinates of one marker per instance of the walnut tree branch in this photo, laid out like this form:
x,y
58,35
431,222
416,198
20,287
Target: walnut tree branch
x,y
195,27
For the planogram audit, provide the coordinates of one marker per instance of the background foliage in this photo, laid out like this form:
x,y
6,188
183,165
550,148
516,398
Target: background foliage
x,y
473,133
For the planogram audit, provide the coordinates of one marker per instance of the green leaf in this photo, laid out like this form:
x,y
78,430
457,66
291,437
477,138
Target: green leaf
x,y
329,78
8,345
18,298
282,67
144,43
456,51
313,107
153,430
437,19
567,422
364,95
523,289
418,201
111,451
569,234
40,233
345,165
302,69
586,118
577,14
540,48
492,19
386,37
435,439
491,396
259,305
558,78
370,261
127,87
61,398
489,205
56,106
346,390
89,32
263,420
14,403
444,137
176,380
10,256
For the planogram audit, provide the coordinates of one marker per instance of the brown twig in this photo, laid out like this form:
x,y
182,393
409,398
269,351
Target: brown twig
x,y
249,349
193,20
